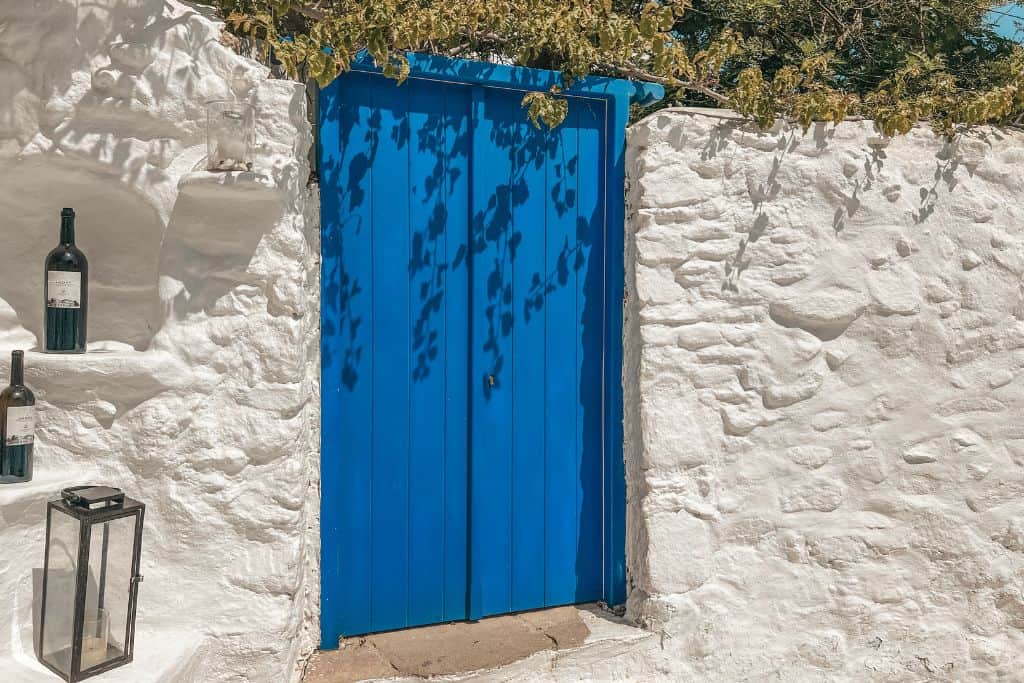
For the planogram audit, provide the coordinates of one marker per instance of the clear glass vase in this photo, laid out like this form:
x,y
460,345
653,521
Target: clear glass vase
x,y
230,130
95,639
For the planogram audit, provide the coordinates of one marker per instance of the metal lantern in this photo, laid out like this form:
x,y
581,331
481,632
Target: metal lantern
x,y
90,581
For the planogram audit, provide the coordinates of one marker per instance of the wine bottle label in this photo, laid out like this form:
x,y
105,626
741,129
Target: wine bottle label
x,y
63,289
21,426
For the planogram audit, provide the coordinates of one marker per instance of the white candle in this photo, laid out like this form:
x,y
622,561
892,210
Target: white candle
x,y
94,651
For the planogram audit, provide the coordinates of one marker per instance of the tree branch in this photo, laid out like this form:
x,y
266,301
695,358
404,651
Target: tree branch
x,y
312,11
641,75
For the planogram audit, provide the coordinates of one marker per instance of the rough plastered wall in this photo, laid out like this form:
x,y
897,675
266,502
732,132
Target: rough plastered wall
x,y
824,437
200,392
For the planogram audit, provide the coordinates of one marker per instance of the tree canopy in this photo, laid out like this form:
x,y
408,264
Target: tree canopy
x,y
893,61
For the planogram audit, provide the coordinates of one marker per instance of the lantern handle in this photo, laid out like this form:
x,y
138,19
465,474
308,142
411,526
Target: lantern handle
x,y
106,495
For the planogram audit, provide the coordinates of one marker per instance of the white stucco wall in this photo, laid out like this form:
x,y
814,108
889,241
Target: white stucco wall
x,y
825,335
200,394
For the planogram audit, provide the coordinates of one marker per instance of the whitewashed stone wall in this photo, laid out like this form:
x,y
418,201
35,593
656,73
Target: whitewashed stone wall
x,y
200,394
824,438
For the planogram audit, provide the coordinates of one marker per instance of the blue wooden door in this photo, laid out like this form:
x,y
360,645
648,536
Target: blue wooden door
x,y
471,461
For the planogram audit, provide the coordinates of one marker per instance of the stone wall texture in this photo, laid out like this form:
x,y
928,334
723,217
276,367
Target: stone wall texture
x,y
824,345
200,393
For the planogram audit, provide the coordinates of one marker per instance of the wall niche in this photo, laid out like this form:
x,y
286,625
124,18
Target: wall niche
x,y
117,229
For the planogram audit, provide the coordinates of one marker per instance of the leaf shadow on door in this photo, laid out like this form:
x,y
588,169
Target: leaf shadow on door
x,y
345,178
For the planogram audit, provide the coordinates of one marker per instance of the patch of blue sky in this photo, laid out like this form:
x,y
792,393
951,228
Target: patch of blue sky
x,y
1008,20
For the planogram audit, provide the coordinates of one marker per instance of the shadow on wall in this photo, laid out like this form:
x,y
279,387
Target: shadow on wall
x,y
118,231
42,40
207,249
862,172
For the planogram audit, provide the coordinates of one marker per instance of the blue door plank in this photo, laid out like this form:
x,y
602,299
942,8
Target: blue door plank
x,y
391,367
591,334
491,380
529,282
455,189
347,341
562,385
428,280
613,164
332,536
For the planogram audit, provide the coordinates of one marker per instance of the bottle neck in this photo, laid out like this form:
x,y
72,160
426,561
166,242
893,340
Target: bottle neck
x,y
17,369
67,230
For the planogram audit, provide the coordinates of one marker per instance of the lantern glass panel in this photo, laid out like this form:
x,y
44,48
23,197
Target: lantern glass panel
x,y
61,574
107,591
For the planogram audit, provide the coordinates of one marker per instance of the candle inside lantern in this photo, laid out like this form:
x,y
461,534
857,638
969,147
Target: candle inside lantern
x,y
94,639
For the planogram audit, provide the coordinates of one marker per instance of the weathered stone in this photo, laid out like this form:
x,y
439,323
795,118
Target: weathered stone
x,y
740,421
825,314
920,455
809,456
1000,378
895,292
696,337
821,495
969,260
668,534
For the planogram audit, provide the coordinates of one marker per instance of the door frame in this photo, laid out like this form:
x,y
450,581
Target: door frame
x,y
617,95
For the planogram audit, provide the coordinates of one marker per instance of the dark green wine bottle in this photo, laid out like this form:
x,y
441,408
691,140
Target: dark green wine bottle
x,y
66,295
17,425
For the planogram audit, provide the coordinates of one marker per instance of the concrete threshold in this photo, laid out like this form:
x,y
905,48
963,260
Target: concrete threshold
x,y
509,647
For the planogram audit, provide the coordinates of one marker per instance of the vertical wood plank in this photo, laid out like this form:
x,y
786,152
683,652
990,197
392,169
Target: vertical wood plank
x,y
613,148
491,378
428,280
391,371
590,336
347,343
562,479
530,283
458,132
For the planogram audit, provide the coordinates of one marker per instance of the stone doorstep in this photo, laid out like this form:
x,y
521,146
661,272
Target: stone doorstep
x,y
448,650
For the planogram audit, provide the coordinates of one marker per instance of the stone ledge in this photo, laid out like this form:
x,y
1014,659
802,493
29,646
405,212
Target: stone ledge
x,y
108,362
25,504
229,186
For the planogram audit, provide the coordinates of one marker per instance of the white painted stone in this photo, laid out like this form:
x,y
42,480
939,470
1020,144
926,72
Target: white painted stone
x,y
920,454
204,400
820,494
858,418
824,313
811,457
667,569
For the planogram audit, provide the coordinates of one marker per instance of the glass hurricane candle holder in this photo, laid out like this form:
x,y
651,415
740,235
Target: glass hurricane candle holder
x,y
230,130
95,638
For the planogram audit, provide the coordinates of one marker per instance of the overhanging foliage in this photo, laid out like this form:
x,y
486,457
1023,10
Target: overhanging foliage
x,y
813,60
